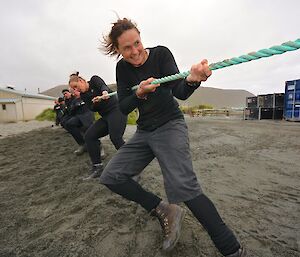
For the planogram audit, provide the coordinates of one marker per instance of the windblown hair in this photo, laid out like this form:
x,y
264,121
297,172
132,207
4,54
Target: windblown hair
x,y
110,41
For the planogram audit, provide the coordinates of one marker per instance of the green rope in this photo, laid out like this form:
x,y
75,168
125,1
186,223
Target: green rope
x,y
274,50
285,47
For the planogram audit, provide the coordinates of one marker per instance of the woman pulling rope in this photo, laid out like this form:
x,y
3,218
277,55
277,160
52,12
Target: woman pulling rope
x,y
161,133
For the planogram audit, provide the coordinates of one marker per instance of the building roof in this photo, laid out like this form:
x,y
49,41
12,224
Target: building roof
x,y
25,94
9,100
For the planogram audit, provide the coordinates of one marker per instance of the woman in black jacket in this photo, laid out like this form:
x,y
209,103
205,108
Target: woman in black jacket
x,y
77,119
161,133
112,121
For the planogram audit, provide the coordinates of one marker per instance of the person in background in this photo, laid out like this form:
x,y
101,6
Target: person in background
x,y
161,133
68,98
112,122
78,120
59,109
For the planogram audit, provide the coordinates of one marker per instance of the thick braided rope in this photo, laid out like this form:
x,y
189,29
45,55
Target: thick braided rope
x,y
274,50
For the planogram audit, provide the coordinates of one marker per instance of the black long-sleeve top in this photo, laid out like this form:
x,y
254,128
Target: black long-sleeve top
x,y
59,109
160,106
78,106
68,103
96,87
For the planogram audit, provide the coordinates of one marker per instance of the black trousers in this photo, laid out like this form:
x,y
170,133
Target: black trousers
x,y
64,120
112,124
74,127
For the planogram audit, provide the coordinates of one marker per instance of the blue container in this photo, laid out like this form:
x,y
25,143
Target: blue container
x,y
292,100
297,96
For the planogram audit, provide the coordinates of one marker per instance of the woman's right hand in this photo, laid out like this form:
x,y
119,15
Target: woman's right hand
x,y
96,99
145,87
99,98
199,72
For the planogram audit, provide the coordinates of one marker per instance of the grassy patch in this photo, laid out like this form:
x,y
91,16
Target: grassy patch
x,y
189,110
47,114
132,117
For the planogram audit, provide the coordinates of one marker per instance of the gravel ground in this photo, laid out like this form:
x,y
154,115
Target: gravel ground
x,y
249,169
9,129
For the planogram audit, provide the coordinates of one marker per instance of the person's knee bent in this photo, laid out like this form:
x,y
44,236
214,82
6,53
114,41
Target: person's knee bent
x,y
68,125
117,141
110,177
105,178
89,136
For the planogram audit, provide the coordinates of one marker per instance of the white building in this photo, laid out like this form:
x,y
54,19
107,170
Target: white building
x,y
20,106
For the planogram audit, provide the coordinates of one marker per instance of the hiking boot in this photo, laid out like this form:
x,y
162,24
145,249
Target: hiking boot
x,y
81,149
239,253
170,217
96,171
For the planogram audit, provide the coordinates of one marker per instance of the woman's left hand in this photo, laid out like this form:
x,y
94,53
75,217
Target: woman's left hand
x,y
105,95
199,72
98,98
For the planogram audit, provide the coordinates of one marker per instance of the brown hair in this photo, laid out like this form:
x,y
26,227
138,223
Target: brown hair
x,y
110,42
74,77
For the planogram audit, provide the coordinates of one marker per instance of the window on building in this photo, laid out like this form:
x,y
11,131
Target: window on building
x,y
3,107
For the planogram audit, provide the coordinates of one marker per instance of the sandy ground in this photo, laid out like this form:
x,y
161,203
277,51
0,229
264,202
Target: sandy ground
x,y
250,169
10,129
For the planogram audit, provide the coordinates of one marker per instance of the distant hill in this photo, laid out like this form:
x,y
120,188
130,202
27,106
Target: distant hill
x,y
55,91
216,97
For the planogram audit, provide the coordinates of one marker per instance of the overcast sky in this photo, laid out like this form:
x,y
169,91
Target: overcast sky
x,y
43,41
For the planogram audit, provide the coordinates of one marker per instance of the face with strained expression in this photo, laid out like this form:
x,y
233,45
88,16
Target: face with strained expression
x,y
80,85
131,48
67,94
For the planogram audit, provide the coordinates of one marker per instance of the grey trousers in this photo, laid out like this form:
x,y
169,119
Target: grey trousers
x,y
170,145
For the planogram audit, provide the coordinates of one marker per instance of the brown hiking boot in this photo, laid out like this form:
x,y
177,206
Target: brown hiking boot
x,y
239,253
170,217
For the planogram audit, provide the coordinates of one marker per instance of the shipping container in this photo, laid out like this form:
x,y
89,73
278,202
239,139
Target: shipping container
x,y
278,113
251,102
292,100
265,101
266,113
278,100
251,113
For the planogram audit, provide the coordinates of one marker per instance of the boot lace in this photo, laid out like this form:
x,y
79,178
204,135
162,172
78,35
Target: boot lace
x,y
164,223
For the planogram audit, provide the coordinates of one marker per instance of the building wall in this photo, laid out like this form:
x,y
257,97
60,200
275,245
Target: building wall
x,y
34,106
19,111
25,109
10,114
